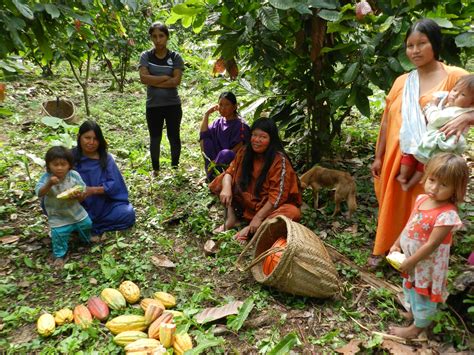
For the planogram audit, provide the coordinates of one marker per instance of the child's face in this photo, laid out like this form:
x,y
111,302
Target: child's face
x,y
59,167
461,96
438,190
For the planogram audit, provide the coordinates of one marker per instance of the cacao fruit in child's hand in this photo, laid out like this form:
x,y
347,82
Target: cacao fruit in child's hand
x,y
130,291
396,259
70,193
46,325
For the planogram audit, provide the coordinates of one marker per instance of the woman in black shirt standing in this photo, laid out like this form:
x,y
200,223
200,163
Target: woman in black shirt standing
x,y
161,70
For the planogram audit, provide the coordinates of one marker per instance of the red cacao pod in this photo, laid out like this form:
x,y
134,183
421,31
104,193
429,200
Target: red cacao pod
x,y
98,308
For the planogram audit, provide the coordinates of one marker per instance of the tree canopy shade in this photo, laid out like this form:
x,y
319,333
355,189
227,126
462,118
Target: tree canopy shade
x,y
320,58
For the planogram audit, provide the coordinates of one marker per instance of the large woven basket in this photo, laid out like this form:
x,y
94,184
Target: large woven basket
x,y
305,267
61,108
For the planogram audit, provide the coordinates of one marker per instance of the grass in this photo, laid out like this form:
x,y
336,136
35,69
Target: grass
x,y
175,214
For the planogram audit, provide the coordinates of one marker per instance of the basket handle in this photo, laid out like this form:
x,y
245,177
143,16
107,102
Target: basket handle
x,y
263,256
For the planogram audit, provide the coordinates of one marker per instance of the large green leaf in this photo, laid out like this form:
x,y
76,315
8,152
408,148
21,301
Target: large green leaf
x,y
270,19
185,10
329,15
303,9
52,10
351,73
236,322
285,345
465,40
324,4
24,9
283,4
395,65
442,22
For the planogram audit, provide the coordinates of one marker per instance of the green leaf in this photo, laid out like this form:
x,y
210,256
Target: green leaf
x,y
24,9
395,65
52,10
28,262
185,10
362,101
285,345
442,22
465,40
351,73
303,9
236,322
3,110
329,15
270,19
324,4
203,344
282,4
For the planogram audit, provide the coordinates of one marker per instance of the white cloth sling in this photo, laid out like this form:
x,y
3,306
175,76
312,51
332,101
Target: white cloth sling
x,y
413,121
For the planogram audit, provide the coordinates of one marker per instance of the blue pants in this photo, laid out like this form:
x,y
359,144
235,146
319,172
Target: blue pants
x,y
60,235
421,306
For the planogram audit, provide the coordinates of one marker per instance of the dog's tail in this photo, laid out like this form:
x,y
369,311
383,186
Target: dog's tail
x,y
351,199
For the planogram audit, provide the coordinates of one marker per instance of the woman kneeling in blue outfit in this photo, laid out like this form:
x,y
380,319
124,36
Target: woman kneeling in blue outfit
x,y
106,195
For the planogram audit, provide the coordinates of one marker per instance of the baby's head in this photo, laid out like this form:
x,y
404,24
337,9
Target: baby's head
x,y
451,170
59,160
462,94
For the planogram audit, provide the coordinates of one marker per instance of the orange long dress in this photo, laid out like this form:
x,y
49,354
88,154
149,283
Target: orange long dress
x,y
280,188
395,205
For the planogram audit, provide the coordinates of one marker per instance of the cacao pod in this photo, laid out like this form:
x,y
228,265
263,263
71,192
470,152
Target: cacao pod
x,y
153,312
362,9
128,337
154,328
63,316
70,193
144,303
145,346
181,343
167,299
82,316
219,66
113,298
167,331
130,291
126,322
45,325
98,308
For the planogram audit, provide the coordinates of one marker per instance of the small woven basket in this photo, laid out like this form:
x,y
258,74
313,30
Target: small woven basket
x,y
61,108
305,267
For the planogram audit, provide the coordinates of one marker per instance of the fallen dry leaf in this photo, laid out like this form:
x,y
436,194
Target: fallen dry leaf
x,y
9,239
397,348
213,313
350,348
162,261
93,281
210,247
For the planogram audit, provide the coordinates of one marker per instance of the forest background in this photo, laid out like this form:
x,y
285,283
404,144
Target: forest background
x,y
321,68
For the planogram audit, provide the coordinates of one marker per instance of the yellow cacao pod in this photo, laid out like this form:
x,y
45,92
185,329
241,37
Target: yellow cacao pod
x,y
46,325
174,313
129,336
145,347
144,303
153,312
126,322
168,300
181,343
130,291
167,331
113,298
63,316
154,328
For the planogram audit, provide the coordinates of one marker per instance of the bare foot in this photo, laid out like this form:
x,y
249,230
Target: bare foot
x,y
58,263
410,332
401,179
243,235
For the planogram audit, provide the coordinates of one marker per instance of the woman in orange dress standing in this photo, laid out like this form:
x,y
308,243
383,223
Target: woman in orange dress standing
x,y
399,131
260,182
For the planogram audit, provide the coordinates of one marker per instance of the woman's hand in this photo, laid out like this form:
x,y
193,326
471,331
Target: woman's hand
x,y
458,125
226,197
255,223
395,248
212,110
376,168
407,266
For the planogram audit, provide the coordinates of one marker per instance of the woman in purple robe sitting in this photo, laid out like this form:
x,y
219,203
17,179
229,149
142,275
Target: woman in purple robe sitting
x,y
222,138
106,195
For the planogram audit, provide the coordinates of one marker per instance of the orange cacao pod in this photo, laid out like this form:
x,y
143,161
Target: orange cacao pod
x,y
82,316
98,308
154,328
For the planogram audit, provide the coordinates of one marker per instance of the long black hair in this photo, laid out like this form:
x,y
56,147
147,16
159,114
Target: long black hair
x,y
267,125
229,96
102,149
58,152
431,29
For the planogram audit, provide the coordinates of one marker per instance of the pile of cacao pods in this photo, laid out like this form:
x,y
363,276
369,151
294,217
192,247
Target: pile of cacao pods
x,y
128,329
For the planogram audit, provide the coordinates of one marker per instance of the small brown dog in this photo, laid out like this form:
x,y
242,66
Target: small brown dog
x,y
318,177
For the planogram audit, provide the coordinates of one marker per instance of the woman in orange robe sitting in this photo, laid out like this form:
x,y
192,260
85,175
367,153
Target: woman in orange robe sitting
x,y
260,182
